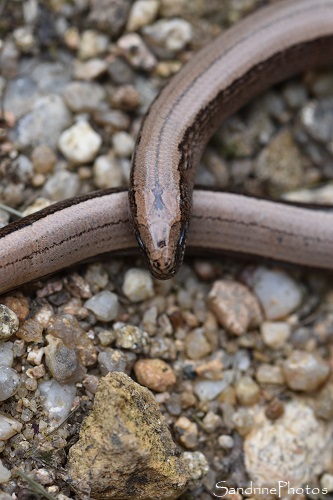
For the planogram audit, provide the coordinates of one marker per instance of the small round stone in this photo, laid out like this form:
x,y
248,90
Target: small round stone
x,y
9,382
154,374
92,44
269,374
9,322
326,481
104,305
43,159
131,337
304,371
142,12
123,144
107,172
275,334
211,422
225,441
62,185
80,143
188,432
197,345
247,391
83,97
126,98
138,285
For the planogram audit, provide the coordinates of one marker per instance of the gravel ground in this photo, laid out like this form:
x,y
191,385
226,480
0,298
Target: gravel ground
x,y
237,356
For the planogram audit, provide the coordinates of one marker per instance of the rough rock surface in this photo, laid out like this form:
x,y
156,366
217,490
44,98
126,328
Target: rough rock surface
x,y
125,447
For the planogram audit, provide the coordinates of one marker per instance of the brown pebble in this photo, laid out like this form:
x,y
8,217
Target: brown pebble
x,y
18,304
274,409
31,331
125,98
187,432
154,374
234,305
43,159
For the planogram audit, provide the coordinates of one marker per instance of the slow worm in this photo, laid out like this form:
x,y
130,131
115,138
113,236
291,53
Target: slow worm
x,y
269,46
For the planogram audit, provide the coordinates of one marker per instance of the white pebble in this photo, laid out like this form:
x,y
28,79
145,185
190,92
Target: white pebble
x,y
104,305
9,382
6,354
107,172
92,44
58,400
207,390
142,12
138,285
62,185
123,144
4,473
326,481
278,293
226,442
80,143
172,34
275,334
8,427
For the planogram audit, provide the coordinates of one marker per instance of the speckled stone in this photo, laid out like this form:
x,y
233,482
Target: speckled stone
x,y
62,362
304,371
140,446
9,322
131,337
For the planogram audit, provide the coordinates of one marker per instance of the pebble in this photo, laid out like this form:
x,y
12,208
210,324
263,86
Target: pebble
x,y
80,143
197,345
62,185
326,481
323,404
36,128
225,441
109,16
234,306
81,97
154,374
6,354
31,331
5,474
295,94
269,374
142,12
51,77
188,432
20,95
120,71
9,426
43,159
278,293
9,322
168,36
322,195
317,119
126,98
242,421
197,464
62,362
112,360
208,390
131,337
136,52
107,172
297,446
138,285
275,334
279,165
104,305
124,439
9,382
96,277
123,144
247,391
92,44
58,400
90,70
304,371
24,39
274,409
211,422
115,119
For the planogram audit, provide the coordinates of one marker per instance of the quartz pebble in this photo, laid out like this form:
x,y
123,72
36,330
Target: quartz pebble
x,y
92,44
269,374
9,322
136,52
123,144
317,119
326,481
197,345
275,334
277,292
6,354
211,422
62,185
35,128
225,441
138,285
140,445
112,360
58,400
269,449
142,12
89,70
154,374
83,97
9,382
80,143
8,427
304,371
247,391
208,390
104,305
170,35
107,172
235,307
4,473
